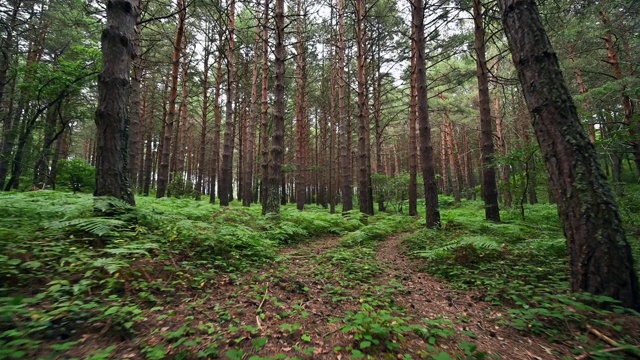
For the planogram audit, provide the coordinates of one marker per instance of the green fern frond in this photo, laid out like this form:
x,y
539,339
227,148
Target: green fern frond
x,y
98,226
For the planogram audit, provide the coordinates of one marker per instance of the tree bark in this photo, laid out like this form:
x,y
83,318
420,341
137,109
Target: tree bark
x,y
302,138
489,188
345,126
205,115
112,118
599,254
364,167
226,171
426,148
135,130
276,178
165,157
413,143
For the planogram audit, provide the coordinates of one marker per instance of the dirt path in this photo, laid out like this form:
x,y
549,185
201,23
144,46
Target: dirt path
x,y
427,297
301,304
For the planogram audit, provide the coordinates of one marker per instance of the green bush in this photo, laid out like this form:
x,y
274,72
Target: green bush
x,y
76,174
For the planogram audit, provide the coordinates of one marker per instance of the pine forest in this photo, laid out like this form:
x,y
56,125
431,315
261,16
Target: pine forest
x,y
332,179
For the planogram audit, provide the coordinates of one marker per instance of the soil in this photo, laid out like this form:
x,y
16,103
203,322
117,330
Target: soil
x,y
298,305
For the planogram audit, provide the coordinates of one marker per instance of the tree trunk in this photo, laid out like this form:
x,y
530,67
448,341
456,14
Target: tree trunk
x,y
489,188
364,167
226,172
165,157
275,180
264,107
413,143
345,126
302,138
448,126
600,256
426,148
112,118
205,115
217,120
502,148
135,130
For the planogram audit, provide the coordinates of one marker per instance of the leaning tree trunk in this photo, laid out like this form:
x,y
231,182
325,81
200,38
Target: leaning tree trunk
x,y
489,188
426,148
112,118
600,256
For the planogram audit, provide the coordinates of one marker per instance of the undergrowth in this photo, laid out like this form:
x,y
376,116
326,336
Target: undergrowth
x,y
71,265
520,264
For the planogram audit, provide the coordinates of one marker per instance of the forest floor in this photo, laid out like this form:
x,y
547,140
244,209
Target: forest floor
x,y
318,300
178,279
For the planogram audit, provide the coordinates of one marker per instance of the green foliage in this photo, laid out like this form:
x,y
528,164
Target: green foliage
x,y
375,330
517,263
76,174
72,263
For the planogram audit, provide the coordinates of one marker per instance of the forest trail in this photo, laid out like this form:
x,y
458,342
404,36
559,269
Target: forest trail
x,y
322,300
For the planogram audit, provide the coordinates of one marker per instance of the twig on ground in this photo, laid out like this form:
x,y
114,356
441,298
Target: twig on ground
x,y
266,291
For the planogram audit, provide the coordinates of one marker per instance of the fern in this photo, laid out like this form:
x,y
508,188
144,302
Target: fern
x,y
97,226
446,250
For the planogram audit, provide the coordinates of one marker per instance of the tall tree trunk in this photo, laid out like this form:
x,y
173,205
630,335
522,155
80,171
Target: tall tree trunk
x,y
247,187
112,172
302,138
364,167
599,254
226,173
165,157
489,188
205,115
8,132
345,126
264,107
426,148
276,178
413,143
135,131
217,120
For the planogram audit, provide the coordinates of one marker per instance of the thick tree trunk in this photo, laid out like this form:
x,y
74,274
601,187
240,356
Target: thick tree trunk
x,y
276,178
165,157
489,188
600,256
426,148
112,118
264,107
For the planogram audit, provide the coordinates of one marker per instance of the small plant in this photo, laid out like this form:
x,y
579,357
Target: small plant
x,y
373,329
